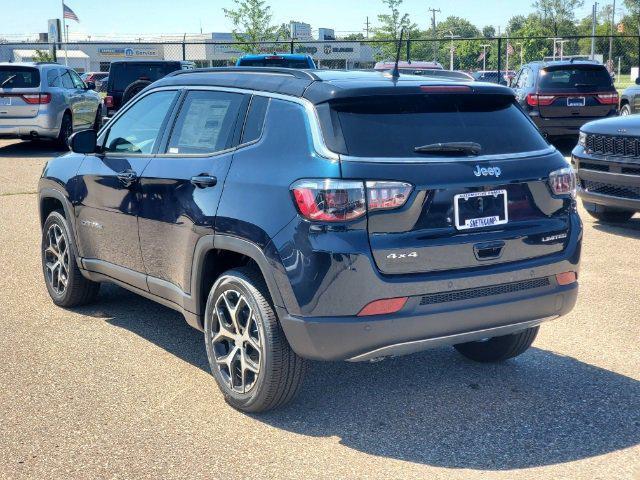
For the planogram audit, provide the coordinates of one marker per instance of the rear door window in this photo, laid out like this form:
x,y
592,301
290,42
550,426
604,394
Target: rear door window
x,y
393,125
53,78
67,82
255,119
206,123
77,81
19,77
574,76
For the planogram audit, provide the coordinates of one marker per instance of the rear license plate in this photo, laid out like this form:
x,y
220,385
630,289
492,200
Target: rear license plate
x,y
5,101
575,102
480,209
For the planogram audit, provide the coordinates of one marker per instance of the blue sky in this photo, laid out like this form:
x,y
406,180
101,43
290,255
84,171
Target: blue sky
x,y
131,17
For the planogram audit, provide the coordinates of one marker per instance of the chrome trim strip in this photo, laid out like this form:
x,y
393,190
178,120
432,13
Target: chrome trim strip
x,y
480,158
406,348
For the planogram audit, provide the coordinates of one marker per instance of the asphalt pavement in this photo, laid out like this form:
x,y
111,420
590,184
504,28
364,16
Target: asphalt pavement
x,y
121,389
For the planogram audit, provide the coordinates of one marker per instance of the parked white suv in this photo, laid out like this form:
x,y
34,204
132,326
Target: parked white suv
x,y
45,100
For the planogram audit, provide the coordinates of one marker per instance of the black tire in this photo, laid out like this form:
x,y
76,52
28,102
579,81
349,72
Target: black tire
x,y
611,215
77,289
133,89
498,349
625,110
66,129
280,371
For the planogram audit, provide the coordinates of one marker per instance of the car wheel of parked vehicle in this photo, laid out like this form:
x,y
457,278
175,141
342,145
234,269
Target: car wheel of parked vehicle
x,y
133,89
250,357
605,214
66,129
497,349
66,285
625,110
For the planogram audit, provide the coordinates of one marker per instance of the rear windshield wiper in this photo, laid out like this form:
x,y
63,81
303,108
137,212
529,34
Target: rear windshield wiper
x,y
7,80
469,148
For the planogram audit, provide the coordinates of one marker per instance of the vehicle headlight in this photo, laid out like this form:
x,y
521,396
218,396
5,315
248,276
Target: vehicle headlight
x,y
582,139
563,181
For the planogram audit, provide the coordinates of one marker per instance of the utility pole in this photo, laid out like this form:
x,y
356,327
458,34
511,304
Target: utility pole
x,y
594,20
452,49
484,55
366,27
555,46
433,26
521,52
562,42
613,22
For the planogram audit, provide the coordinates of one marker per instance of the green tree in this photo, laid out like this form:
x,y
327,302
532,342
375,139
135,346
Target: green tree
x,y
42,56
558,16
251,23
489,31
354,37
391,24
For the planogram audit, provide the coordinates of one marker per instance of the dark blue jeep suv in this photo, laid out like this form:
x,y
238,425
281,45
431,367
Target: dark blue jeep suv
x,y
294,215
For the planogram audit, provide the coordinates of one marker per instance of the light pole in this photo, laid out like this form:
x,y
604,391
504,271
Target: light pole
x,y
562,42
521,52
484,55
452,36
555,40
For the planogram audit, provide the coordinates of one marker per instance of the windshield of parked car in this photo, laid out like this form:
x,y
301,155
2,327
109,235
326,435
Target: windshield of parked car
x,y
394,125
19,77
574,76
274,62
124,74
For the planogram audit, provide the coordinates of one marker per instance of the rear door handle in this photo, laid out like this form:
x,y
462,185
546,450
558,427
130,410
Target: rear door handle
x,y
127,177
204,181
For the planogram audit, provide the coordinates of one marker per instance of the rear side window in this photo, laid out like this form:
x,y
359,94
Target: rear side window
x,y
206,123
393,125
124,74
67,82
574,76
255,119
19,77
53,78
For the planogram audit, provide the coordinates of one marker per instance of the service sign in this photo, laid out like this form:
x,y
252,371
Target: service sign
x,y
128,52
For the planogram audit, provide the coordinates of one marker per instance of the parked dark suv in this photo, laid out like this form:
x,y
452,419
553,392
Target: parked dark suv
x,y
127,78
562,96
607,161
325,215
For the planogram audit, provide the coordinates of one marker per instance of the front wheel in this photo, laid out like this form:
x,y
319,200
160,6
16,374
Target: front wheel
x,y
498,349
250,358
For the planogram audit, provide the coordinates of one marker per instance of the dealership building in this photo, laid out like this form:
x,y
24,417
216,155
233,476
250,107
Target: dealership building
x,y
214,49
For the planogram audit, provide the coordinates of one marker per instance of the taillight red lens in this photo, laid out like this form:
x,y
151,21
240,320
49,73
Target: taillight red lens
x,y
108,101
329,200
534,99
608,98
387,195
384,306
37,98
563,181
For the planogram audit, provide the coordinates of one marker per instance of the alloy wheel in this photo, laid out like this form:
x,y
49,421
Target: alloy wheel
x,y
56,257
235,337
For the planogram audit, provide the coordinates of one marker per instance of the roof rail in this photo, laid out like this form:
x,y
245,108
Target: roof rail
x,y
297,73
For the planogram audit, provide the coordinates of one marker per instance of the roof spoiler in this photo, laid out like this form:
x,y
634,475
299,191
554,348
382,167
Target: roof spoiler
x,y
296,73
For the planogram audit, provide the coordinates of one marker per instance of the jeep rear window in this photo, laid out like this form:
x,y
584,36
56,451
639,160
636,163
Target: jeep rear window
x,y
275,62
19,77
125,74
574,76
393,125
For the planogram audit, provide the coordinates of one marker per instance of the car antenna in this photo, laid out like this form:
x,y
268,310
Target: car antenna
x,y
396,73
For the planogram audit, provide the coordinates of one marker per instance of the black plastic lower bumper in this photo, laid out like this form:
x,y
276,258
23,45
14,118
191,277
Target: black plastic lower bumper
x,y
364,338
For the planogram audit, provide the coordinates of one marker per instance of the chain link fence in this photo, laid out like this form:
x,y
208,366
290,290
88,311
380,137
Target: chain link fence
x,y
620,53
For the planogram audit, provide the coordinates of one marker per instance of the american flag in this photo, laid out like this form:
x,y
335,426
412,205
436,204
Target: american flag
x,y
481,57
510,49
70,14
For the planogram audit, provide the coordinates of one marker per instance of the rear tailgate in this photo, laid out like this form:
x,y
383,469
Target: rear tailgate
x,y
464,212
18,85
575,91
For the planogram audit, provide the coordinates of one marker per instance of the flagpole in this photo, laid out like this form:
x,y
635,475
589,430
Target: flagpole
x,y
66,45
65,40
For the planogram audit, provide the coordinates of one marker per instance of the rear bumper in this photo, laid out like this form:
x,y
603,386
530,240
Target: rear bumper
x,y
42,125
562,126
418,327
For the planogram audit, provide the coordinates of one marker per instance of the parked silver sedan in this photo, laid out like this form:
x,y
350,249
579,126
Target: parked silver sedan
x,y
45,100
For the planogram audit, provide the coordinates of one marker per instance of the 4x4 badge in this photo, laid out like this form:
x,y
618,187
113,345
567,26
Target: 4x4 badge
x,y
487,172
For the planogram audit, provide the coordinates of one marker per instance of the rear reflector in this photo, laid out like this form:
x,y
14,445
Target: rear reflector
x,y
385,306
566,278
446,89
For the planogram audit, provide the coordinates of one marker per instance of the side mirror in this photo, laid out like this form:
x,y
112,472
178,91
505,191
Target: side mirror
x,y
84,142
90,85
637,80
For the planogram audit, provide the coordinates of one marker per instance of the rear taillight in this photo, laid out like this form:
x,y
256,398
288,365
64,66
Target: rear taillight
x,y
37,98
332,200
534,99
108,101
387,195
563,182
607,98
329,200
